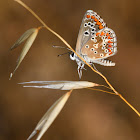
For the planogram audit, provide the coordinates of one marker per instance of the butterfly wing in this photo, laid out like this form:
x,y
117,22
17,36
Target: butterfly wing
x,y
90,25
95,41
102,45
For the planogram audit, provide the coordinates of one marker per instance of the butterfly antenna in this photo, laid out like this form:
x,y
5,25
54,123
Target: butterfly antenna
x,y
61,47
63,54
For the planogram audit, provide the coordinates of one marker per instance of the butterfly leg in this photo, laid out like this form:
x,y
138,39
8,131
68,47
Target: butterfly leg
x,y
80,67
95,68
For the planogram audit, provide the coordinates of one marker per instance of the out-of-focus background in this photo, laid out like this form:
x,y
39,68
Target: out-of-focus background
x,y
88,115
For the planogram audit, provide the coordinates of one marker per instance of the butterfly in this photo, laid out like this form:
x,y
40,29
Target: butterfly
x,y
95,42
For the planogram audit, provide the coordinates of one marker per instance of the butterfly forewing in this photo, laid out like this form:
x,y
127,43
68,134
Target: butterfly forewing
x,y
90,25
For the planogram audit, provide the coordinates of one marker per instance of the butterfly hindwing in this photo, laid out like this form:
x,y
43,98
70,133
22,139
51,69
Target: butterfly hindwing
x,y
101,45
90,25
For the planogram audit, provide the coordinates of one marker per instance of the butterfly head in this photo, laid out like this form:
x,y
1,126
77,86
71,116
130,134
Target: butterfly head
x,y
72,56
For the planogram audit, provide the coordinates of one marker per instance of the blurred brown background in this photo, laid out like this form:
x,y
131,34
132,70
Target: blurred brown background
x,y
88,115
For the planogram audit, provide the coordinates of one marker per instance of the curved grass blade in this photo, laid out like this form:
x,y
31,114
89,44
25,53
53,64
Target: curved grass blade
x,y
33,33
62,85
50,116
23,38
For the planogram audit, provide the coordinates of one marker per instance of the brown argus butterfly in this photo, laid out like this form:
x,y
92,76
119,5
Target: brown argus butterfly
x,y
95,42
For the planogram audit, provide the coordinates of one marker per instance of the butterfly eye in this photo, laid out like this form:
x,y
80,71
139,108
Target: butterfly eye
x,y
101,54
86,46
103,47
72,56
92,49
106,50
95,52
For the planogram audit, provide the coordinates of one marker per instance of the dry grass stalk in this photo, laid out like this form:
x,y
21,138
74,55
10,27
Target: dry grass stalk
x,y
30,35
50,116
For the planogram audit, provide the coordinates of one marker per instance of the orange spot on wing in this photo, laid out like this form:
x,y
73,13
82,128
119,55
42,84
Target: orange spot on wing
x,y
97,34
110,52
109,45
102,33
110,41
107,34
101,27
92,17
109,37
98,23
88,16
95,19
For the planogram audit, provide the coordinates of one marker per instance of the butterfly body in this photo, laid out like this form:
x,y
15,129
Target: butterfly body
x,y
95,42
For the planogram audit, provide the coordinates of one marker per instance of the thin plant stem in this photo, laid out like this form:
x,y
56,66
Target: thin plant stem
x,y
102,90
65,42
105,86
129,105
119,96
